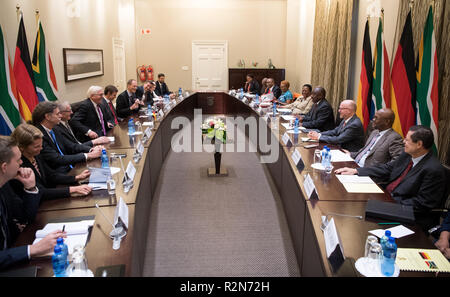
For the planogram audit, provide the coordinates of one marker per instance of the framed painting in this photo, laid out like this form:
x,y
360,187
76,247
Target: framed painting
x,y
82,63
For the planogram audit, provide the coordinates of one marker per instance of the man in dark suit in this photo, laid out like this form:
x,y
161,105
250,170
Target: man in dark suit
x,y
251,85
128,102
110,95
58,152
416,178
383,145
146,90
90,121
321,116
349,134
17,207
65,130
161,87
272,88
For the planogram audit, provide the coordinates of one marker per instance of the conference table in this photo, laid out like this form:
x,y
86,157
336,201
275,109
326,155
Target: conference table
x,y
303,215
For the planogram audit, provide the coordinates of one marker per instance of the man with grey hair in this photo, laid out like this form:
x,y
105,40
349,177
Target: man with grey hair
x,y
18,206
349,134
91,120
58,152
66,131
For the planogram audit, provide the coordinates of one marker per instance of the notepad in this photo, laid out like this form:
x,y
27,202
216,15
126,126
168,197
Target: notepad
x,y
77,232
422,260
338,156
396,232
359,184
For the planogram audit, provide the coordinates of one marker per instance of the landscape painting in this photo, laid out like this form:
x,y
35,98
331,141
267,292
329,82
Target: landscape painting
x,y
82,63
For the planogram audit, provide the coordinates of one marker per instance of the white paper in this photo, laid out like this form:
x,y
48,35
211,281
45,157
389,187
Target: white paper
x,y
288,117
144,116
112,139
338,156
98,186
131,170
296,157
286,125
396,232
140,148
71,228
309,186
284,110
98,175
148,133
331,238
114,170
354,179
147,124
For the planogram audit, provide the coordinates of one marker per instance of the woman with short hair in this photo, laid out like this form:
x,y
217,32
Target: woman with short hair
x,y
286,95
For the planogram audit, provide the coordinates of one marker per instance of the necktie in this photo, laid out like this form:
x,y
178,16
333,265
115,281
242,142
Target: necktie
x,y
391,187
112,110
57,146
3,224
367,148
70,131
131,99
100,114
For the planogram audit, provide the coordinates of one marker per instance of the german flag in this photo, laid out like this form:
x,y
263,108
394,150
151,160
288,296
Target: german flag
x,y
403,82
365,107
23,72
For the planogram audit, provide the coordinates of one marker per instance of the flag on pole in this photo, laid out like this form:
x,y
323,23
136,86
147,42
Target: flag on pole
x,y
9,108
44,75
364,102
381,94
403,82
427,80
24,75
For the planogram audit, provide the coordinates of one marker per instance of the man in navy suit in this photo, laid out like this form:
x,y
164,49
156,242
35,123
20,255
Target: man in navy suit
x,y
128,102
14,205
161,87
349,134
415,178
321,116
443,244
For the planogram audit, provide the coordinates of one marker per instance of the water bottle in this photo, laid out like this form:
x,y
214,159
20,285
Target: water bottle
x,y
180,92
389,255
385,239
64,250
296,124
242,94
149,109
324,154
131,129
257,99
59,260
166,99
105,160
274,109
328,166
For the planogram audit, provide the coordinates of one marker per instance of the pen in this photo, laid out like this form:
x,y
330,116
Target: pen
x,y
388,223
64,227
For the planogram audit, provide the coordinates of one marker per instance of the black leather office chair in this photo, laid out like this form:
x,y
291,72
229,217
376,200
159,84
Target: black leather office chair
x,y
75,106
435,231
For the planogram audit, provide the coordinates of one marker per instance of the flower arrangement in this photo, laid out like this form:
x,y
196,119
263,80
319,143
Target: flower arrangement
x,y
215,129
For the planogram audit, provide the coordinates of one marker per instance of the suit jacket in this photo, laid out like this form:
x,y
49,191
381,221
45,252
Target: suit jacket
x,y
47,179
446,223
15,207
86,118
73,152
147,96
123,105
254,87
320,117
161,90
64,132
275,90
387,148
109,112
424,187
350,137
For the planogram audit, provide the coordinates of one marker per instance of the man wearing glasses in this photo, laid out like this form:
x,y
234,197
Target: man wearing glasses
x,y
90,120
349,134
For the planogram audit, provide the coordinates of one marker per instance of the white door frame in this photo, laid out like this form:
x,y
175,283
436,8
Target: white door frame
x,y
119,43
195,43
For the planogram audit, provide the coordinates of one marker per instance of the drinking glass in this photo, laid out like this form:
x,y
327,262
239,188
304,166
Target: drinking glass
x,y
317,157
369,242
375,256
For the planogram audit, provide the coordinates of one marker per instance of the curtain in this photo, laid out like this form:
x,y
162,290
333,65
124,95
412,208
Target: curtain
x,y
332,42
441,13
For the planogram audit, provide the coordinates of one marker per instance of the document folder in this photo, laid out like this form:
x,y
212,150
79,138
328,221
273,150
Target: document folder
x,y
390,211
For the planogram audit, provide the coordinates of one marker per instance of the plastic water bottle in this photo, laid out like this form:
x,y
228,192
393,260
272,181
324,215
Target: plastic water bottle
x,y
149,109
389,255
385,239
59,261
274,109
296,124
105,160
328,166
166,99
64,250
324,154
242,94
131,129
257,99
180,92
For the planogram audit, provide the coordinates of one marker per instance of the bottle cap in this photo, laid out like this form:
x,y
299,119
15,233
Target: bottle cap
x,y
391,239
60,240
387,233
103,151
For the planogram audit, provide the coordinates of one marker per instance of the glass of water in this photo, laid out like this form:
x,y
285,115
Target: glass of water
x,y
317,157
371,240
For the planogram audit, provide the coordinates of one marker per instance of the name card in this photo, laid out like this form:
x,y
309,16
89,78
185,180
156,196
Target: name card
x,y
140,148
148,133
131,171
310,188
297,158
148,124
287,140
161,113
333,245
121,214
